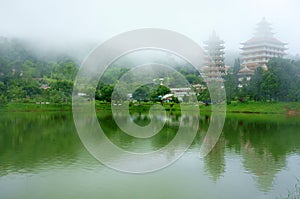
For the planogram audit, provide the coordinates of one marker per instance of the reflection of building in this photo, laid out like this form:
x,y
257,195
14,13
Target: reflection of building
x,y
258,50
215,61
263,165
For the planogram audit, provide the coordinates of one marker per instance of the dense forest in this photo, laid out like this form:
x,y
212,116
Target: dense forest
x,y
26,77
280,82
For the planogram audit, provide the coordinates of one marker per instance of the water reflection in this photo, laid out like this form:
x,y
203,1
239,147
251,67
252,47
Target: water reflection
x,y
264,144
30,142
215,160
161,139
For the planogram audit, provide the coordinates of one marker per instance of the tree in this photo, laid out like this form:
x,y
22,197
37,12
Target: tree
x,y
160,90
112,74
287,75
204,96
281,81
3,98
105,93
63,86
2,87
16,93
236,69
230,87
30,87
65,69
270,85
193,78
236,66
255,89
57,96
142,93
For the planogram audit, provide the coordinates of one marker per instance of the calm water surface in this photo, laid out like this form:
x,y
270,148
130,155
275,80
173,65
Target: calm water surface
x,y
41,156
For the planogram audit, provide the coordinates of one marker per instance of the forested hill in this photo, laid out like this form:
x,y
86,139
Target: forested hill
x,y
16,56
25,77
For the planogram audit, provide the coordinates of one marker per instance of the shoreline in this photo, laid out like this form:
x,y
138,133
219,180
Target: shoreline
x,y
288,108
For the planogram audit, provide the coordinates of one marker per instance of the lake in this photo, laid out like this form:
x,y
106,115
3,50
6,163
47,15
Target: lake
x,y
41,156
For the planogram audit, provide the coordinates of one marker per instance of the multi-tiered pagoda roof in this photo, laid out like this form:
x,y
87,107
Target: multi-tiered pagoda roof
x,y
215,67
262,47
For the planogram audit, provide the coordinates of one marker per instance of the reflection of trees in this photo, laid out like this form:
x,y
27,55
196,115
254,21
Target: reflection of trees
x,y
263,145
215,160
28,140
262,142
130,143
161,139
114,133
203,126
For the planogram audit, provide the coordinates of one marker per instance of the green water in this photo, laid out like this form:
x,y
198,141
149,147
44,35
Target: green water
x,y
41,156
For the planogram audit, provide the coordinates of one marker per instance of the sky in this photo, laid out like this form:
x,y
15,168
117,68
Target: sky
x,y
63,22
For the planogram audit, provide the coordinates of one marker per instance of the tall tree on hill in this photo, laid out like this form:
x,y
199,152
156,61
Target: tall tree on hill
x,y
255,89
288,77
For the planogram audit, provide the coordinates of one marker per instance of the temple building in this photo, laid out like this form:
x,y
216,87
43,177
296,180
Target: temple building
x,y
258,50
215,67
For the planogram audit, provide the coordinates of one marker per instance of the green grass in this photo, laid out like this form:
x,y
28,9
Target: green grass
x,y
262,107
32,107
234,107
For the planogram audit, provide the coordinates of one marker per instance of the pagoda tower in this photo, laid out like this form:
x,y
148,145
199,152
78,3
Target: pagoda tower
x,y
215,67
262,47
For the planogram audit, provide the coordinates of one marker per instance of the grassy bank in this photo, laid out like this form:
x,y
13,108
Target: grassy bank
x,y
31,107
258,107
234,107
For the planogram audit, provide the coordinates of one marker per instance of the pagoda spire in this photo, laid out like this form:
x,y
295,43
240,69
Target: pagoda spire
x,y
263,29
214,47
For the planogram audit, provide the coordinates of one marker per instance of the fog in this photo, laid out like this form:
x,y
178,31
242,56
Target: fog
x,y
69,24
